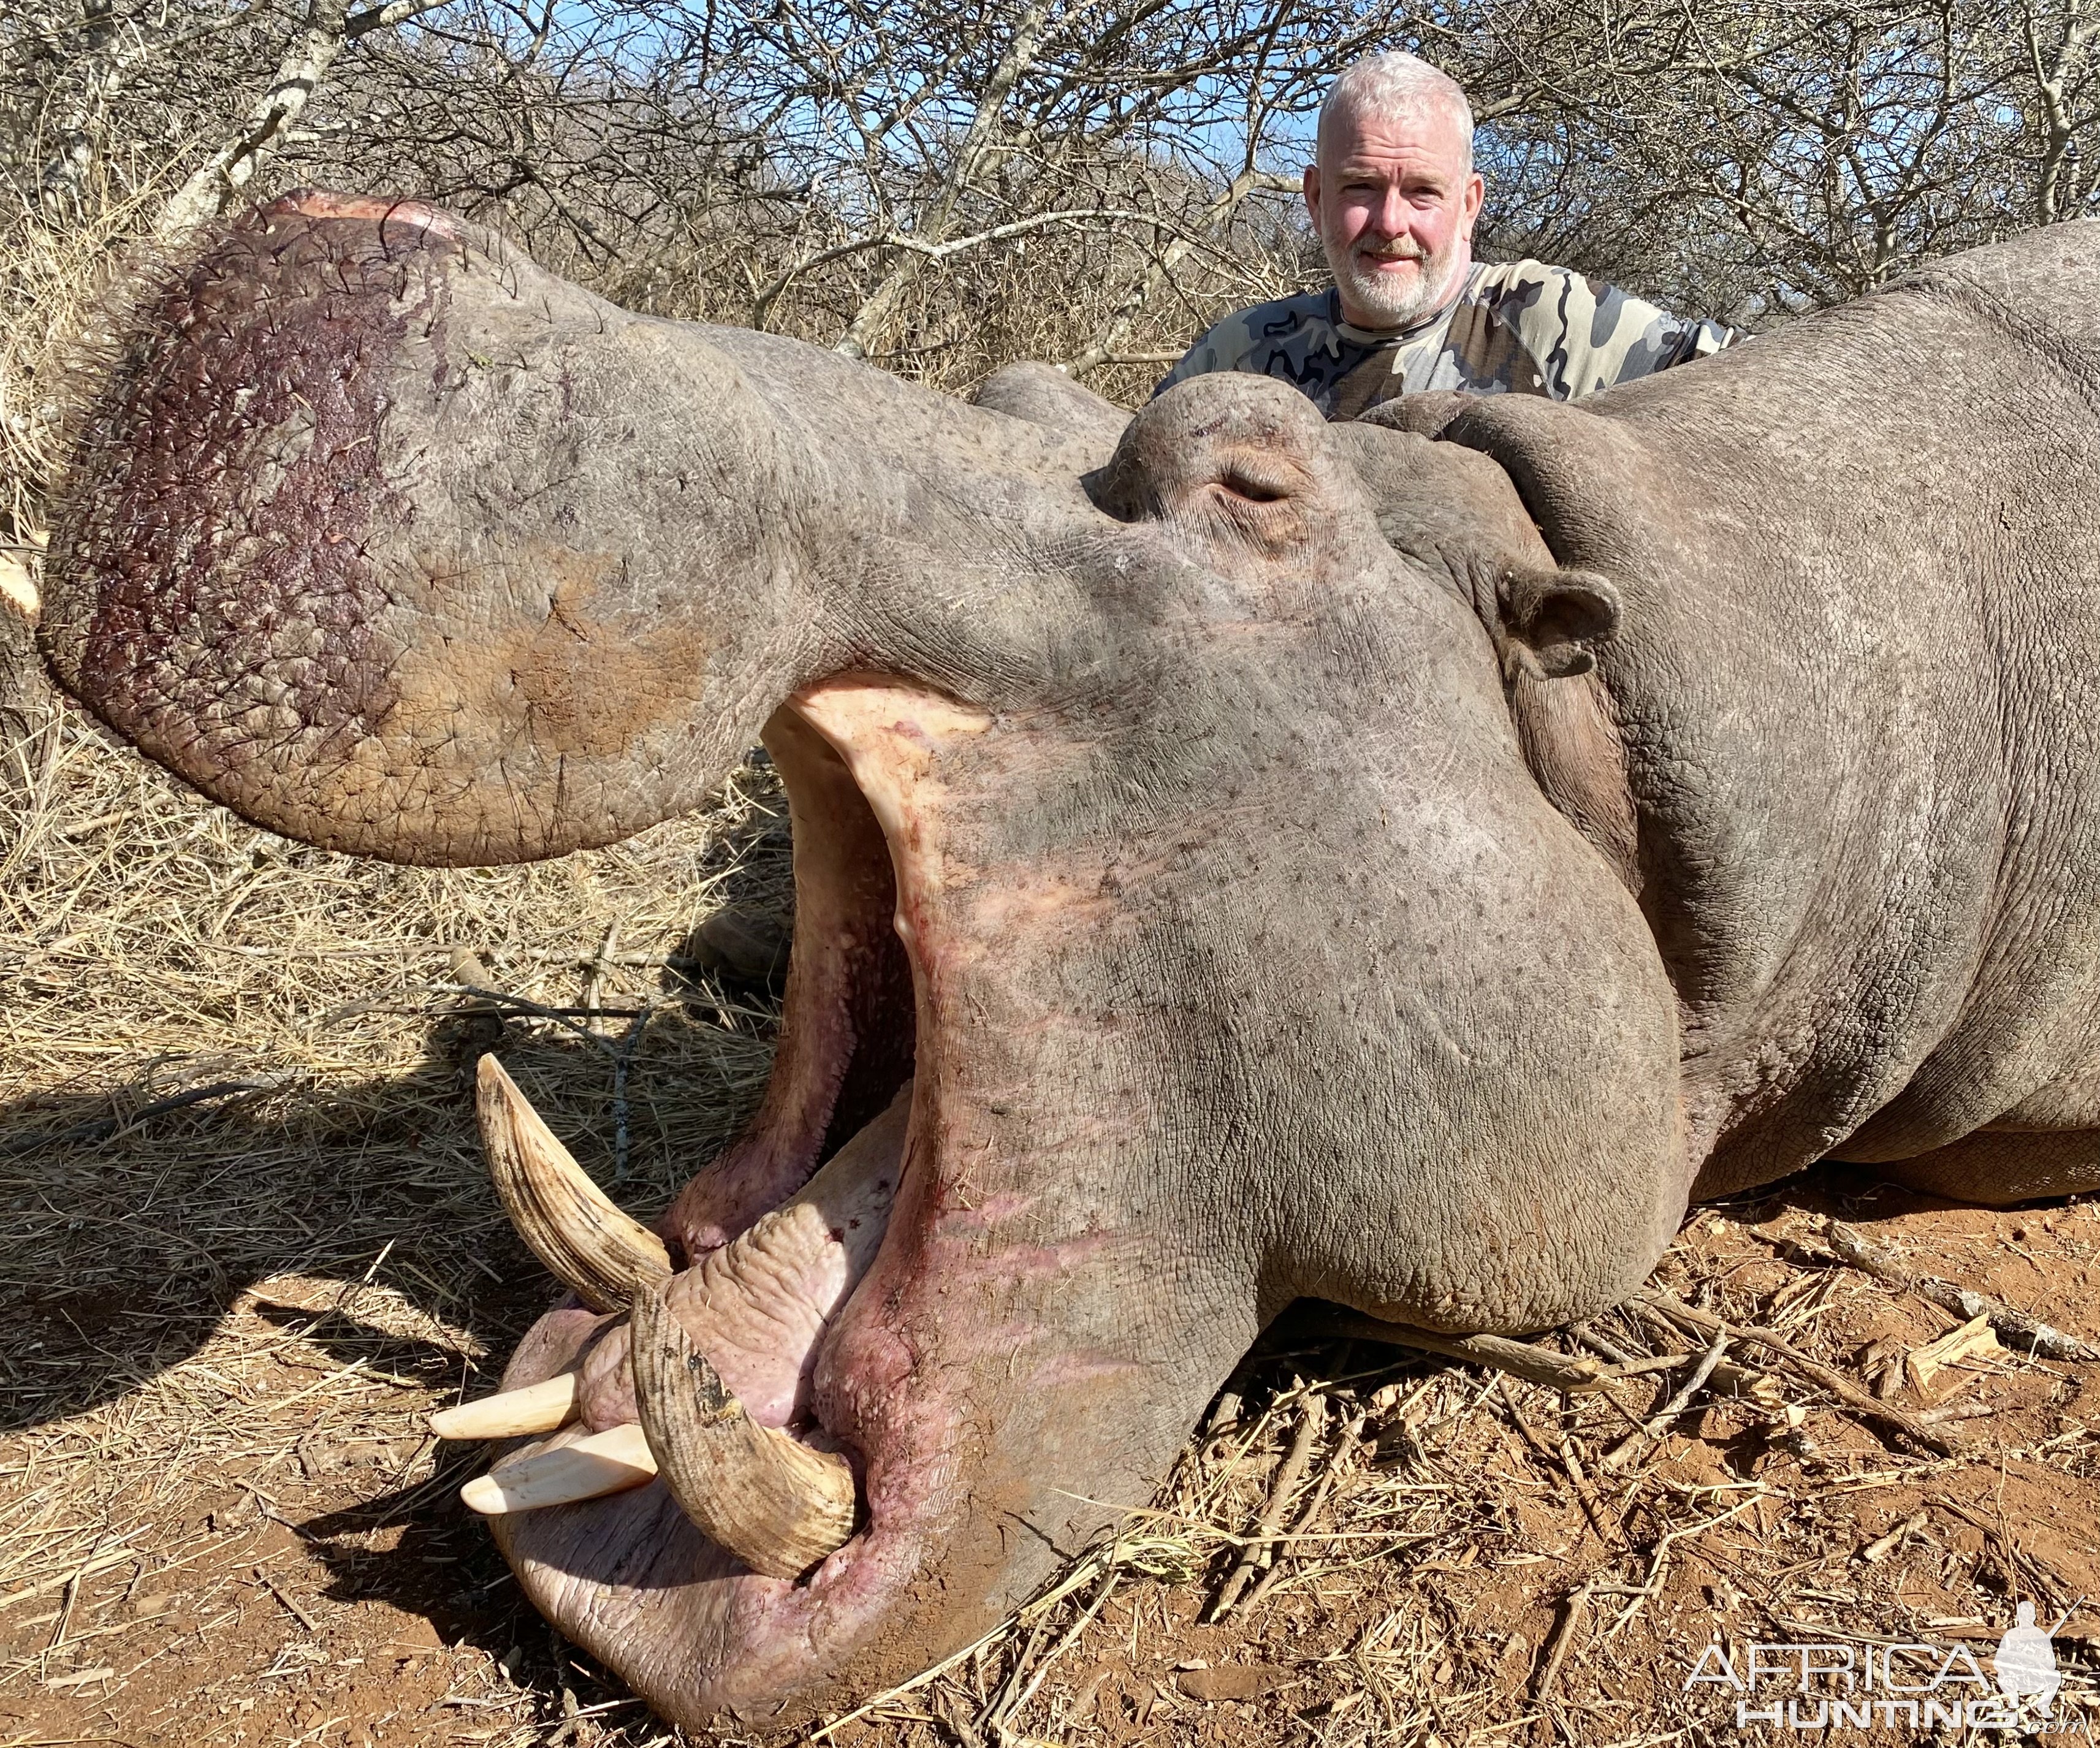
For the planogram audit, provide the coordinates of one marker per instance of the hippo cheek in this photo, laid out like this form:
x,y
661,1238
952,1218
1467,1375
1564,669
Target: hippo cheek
x,y
995,1352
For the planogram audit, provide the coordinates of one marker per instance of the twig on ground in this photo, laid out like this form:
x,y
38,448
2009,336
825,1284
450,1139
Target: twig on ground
x,y
1705,1324
1730,1377
1520,1359
2019,1569
1658,1567
1012,1697
1288,1473
1573,1612
1882,1546
1634,1443
1300,1525
601,965
284,1596
1605,1349
623,1063
2028,1335
1593,1508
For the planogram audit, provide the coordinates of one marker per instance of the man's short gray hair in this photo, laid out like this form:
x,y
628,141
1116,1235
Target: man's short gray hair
x,y
1396,84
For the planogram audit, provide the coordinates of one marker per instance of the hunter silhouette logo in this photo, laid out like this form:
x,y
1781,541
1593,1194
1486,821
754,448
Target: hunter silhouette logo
x,y
2026,1662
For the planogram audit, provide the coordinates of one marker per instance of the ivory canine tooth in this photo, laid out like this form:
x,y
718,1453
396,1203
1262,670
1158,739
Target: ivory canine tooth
x,y
604,1256
539,1407
768,1499
608,1462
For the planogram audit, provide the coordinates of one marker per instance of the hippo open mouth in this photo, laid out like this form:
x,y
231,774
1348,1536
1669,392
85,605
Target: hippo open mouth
x,y
726,1448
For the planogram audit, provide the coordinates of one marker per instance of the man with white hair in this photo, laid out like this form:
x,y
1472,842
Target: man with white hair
x,y
1393,195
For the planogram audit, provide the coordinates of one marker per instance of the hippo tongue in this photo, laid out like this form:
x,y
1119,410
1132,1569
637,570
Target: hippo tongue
x,y
758,1306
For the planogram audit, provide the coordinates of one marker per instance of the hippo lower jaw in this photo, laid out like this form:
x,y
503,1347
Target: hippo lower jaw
x,y
778,1239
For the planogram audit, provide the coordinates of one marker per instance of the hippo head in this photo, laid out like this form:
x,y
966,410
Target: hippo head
x,y
1181,928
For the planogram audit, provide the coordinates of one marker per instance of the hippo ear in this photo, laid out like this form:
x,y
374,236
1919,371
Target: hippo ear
x,y
1555,619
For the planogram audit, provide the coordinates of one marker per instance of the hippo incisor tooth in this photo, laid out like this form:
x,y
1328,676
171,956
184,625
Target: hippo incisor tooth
x,y
539,1407
768,1499
586,1468
604,1256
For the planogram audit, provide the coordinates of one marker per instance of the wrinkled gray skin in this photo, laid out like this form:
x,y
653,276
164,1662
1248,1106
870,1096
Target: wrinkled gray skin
x,y
1398,870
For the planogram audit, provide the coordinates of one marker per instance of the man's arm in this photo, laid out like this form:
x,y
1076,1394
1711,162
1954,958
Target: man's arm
x,y
1586,335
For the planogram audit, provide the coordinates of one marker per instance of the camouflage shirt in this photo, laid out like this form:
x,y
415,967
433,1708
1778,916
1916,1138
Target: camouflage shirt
x,y
1519,328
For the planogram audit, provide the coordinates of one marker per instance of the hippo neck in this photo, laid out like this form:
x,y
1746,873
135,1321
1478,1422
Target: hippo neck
x,y
1803,747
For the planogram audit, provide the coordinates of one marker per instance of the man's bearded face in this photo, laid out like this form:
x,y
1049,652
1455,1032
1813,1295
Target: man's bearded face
x,y
1394,205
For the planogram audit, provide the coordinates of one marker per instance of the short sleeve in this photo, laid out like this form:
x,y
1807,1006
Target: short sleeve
x,y
1586,335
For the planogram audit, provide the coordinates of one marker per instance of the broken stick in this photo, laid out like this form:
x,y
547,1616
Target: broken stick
x,y
1520,1359
1728,1378
2021,1332
1632,1445
1288,1474
1693,1321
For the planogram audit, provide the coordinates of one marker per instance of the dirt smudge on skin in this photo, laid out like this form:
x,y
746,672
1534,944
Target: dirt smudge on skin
x,y
574,669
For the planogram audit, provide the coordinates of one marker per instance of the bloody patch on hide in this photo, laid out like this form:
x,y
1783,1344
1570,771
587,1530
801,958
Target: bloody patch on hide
x,y
279,478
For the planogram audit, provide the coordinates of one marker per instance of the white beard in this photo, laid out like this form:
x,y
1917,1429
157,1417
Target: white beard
x,y
1396,303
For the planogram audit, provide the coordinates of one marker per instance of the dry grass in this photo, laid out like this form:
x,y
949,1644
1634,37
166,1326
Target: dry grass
x,y
54,267
219,1520
245,1217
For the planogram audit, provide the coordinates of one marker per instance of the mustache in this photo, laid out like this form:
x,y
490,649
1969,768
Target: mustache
x,y
1398,248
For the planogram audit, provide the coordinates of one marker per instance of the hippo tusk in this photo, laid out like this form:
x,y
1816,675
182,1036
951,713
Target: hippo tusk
x,y
602,1255
768,1499
540,1407
587,1468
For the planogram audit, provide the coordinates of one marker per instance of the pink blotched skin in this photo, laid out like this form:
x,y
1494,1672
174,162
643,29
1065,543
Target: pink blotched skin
x,y
318,203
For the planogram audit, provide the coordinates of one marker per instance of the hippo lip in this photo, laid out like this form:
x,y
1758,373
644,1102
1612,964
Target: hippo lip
x,y
629,1574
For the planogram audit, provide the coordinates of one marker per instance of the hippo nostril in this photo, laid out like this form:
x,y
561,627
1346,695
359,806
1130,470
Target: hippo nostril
x,y
1253,491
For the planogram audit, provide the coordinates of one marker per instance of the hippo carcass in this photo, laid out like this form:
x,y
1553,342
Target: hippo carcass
x,y
1237,858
